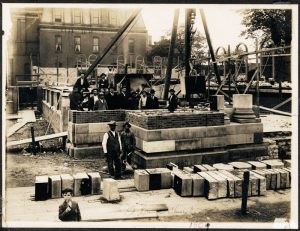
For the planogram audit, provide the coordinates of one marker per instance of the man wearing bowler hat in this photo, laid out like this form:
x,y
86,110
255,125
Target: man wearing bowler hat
x,y
128,145
112,148
172,101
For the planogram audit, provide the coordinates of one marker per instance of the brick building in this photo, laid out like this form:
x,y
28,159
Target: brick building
x,y
68,37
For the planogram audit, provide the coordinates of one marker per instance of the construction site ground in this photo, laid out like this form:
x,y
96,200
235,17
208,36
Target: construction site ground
x,y
22,167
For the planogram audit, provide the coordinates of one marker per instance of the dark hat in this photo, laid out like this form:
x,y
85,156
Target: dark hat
x,y
112,123
152,91
126,123
171,90
101,93
102,74
67,190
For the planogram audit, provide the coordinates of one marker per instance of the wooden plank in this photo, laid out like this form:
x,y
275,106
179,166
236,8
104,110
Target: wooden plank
x,y
275,111
39,138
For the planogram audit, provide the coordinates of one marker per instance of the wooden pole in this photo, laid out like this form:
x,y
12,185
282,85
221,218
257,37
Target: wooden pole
x,y
245,188
171,54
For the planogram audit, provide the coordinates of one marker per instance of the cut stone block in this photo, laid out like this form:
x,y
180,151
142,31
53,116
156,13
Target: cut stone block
x,y
95,181
198,185
154,179
188,170
221,166
262,183
289,171
287,163
41,188
211,187
110,190
256,165
217,102
155,146
67,181
199,168
54,186
81,184
254,184
266,175
208,167
284,178
274,163
241,165
242,101
183,184
240,174
230,184
166,178
240,139
275,178
141,180
238,182
222,183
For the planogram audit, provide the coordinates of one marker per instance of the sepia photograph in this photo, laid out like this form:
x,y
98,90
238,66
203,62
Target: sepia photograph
x,y
150,115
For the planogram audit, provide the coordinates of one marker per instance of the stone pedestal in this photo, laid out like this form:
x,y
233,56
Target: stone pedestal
x,y
54,186
95,181
110,190
243,112
41,188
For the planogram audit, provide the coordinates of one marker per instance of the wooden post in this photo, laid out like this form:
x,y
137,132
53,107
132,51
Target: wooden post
x,y
33,141
245,187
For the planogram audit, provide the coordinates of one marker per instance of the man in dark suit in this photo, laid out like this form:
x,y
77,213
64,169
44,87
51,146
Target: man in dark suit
x,y
101,104
112,99
92,100
102,82
172,101
69,210
123,98
82,83
153,100
76,100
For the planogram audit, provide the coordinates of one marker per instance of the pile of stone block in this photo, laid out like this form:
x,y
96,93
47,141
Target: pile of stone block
x,y
47,187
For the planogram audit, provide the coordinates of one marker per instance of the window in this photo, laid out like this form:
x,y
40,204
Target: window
x,y
95,17
113,18
77,16
77,44
131,46
104,16
95,45
58,44
57,15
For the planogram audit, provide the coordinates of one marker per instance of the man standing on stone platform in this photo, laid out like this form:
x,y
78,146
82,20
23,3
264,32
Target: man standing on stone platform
x,y
112,99
123,98
128,145
112,148
101,104
102,82
172,101
153,100
92,100
82,83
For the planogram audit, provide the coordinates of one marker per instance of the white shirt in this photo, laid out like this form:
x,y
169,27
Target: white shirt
x,y
143,101
105,138
95,98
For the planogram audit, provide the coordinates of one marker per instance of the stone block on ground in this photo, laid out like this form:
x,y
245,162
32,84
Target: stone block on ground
x,y
41,188
110,190
183,184
273,163
188,170
238,182
284,178
289,171
241,165
256,165
222,183
262,183
254,184
230,184
81,184
95,181
221,166
209,167
240,174
287,163
154,179
67,181
267,176
141,180
211,186
166,178
198,185
275,178
54,186
199,168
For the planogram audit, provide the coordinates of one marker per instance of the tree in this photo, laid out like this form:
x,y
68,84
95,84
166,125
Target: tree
x,y
268,24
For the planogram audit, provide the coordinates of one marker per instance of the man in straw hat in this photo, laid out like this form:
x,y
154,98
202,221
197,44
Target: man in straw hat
x,y
128,144
112,148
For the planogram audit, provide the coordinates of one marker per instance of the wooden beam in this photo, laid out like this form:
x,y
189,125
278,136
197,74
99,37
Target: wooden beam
x,y
275,111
